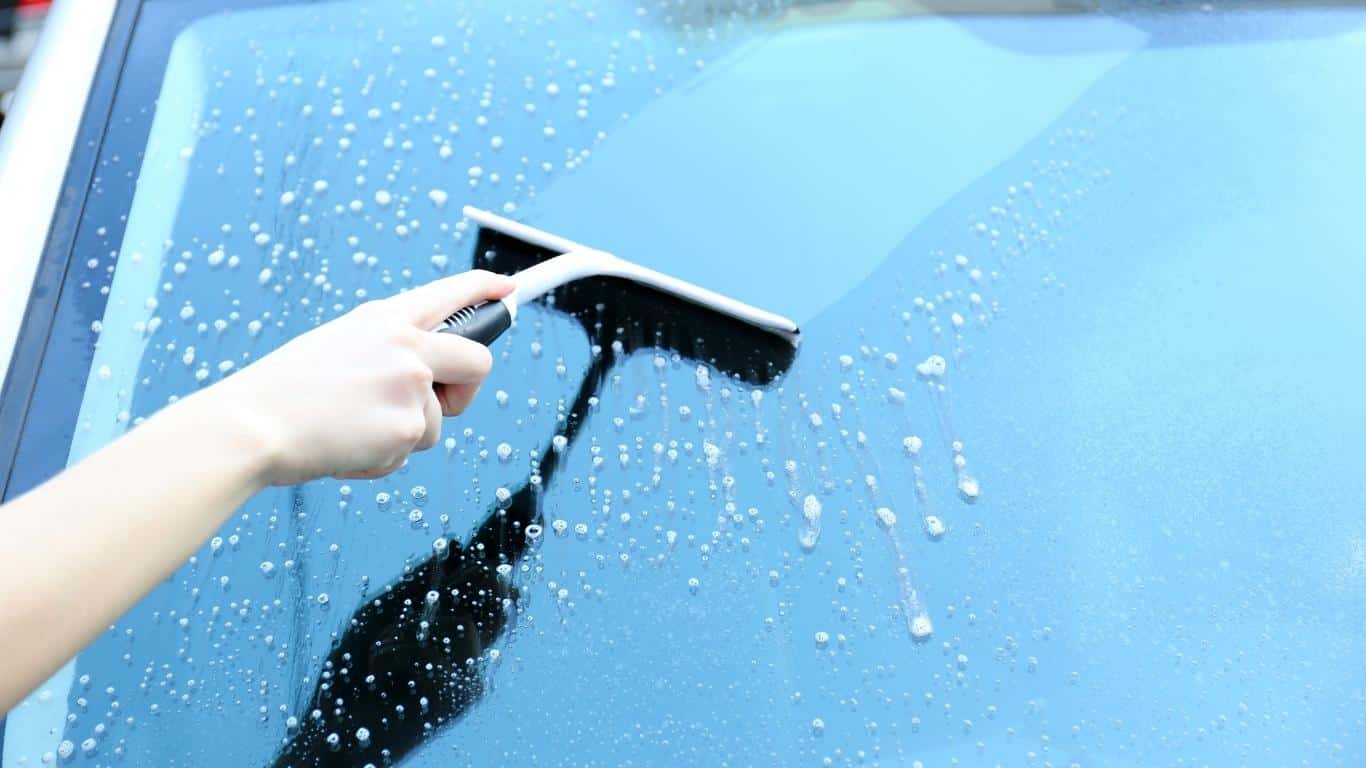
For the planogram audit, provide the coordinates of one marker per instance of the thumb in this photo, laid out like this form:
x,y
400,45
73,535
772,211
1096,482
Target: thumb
x,y
427,305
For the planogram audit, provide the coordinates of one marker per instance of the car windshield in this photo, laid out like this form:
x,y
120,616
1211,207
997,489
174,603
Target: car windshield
x,y
1065,470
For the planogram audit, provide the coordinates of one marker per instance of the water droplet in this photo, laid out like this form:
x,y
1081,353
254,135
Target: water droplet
x,y
921,628
968,488
934,527
885,517
810,531
703,377
811,508
934,366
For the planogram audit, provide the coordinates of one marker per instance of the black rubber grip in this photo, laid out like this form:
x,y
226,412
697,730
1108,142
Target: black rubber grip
x,y
483,322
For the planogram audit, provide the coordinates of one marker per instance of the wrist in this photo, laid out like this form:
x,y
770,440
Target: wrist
x,y
236,439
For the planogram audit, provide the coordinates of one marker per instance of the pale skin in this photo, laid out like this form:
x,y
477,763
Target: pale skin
x,y
351,398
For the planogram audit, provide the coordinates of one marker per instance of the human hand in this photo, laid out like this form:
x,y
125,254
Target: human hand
x,y
352,398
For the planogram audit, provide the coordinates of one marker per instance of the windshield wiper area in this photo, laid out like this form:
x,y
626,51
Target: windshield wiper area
x,y
413,659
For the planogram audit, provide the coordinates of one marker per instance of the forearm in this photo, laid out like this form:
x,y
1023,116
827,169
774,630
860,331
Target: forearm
x,y
351,398
78,551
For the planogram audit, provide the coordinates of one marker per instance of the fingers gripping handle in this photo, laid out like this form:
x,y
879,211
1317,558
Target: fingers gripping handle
x,y
483,322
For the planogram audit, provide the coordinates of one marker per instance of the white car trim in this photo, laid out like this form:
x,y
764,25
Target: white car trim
x,y
36,144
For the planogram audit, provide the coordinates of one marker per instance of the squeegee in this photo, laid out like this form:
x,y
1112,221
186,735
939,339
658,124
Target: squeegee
x,y
486,321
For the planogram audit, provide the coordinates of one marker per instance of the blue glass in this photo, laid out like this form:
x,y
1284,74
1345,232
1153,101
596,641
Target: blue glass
x,y
1066,469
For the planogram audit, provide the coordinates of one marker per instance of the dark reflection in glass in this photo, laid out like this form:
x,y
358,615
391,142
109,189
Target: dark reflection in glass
x,y
411,659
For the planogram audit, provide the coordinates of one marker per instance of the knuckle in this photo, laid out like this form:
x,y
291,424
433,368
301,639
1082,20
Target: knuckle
x,y
411,431
421,376
429,438
410,373
403,336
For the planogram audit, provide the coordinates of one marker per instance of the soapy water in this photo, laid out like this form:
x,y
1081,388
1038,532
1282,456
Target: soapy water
x,y
677,471
695,433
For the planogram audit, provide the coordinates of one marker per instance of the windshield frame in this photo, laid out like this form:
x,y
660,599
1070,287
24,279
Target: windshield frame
x,y
41,249
42,392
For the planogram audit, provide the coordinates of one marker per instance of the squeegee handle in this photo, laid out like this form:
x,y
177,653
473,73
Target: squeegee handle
x,y
483,322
